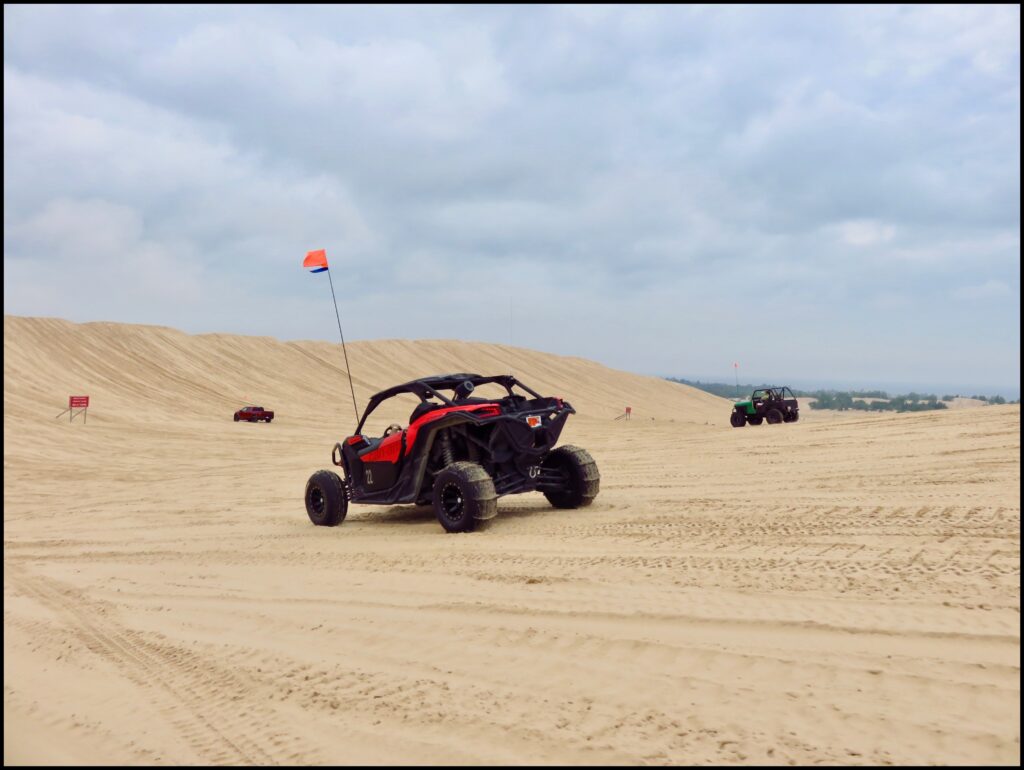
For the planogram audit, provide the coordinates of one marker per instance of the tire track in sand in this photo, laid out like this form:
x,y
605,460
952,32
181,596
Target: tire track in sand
x,y
198,704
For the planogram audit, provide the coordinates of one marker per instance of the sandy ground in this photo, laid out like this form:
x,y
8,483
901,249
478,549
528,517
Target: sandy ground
x,y
833,591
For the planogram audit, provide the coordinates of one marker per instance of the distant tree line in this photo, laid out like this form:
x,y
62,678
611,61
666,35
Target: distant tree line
x,y
844,399
911,402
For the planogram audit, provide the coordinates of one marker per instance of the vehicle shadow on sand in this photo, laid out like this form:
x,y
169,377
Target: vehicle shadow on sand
x,y
405,514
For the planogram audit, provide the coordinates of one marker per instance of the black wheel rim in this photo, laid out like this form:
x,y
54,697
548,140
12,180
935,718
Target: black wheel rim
x,y
453,504
560,467
317,503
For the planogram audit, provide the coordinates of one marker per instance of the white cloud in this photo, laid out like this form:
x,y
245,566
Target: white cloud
x,y
398,85
865,232
988,290
77,251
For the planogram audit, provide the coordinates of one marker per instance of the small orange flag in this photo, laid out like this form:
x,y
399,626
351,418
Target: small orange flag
x,y
316,260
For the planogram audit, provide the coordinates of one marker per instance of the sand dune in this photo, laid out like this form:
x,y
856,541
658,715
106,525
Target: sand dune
x,y
961,402
142,373
837,590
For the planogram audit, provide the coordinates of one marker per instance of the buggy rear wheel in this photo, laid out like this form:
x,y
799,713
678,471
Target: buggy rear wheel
x,y
464,494
756,420
737,420
582,479
791,417
774,417
326,501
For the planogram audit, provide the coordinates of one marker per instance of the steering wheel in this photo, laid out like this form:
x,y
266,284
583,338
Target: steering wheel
x,y
392,428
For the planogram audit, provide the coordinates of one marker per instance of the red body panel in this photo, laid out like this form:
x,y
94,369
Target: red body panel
x,y
410,433
245,414
388,451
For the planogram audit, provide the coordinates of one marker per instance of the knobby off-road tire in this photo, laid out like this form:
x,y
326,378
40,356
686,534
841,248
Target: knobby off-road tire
x,y
756,420
326,502
791,417
774,416
583,480
463,495
737,420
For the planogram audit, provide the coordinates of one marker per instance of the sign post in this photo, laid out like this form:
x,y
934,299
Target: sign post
x,y
81,403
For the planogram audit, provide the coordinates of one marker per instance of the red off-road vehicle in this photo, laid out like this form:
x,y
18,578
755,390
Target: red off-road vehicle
x,y
254,414
460,453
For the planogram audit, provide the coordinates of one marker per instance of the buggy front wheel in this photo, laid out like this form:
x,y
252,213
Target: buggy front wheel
x,y
326,501
737,420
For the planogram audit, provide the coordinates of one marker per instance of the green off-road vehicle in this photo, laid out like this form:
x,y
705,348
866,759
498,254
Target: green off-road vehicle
x,y
774,404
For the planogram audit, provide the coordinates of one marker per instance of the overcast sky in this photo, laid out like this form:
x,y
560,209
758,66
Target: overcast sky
x,y
823,194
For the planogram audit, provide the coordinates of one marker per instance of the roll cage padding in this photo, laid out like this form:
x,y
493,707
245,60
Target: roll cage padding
x,y
423,408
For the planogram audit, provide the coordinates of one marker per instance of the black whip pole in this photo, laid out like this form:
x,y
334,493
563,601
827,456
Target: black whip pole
x,y
348,369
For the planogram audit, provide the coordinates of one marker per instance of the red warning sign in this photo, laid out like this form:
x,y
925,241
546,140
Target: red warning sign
x,y
78,402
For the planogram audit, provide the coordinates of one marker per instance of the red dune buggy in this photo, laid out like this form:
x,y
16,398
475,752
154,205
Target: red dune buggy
x,y
460,453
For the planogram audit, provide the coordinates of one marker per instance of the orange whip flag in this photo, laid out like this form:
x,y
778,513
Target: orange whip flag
x,y
316,262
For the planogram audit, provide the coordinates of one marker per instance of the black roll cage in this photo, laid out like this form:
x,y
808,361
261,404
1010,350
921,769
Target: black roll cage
x,y
427,387
782,389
